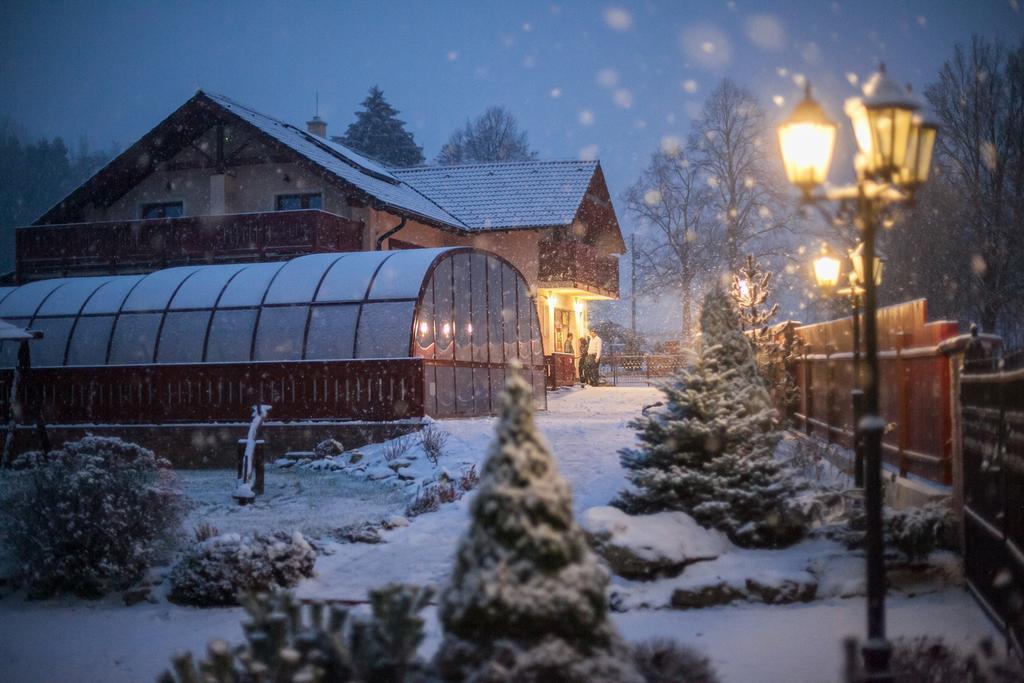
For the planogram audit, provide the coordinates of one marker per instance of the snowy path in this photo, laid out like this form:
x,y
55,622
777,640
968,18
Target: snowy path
x,y
72,640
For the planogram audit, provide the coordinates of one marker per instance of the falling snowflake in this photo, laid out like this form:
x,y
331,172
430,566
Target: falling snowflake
x,y
618,18
690,85
589,153
607,78
586,117
623,98
765,31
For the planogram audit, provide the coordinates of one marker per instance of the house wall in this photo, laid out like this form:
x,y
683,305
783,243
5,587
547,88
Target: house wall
x,y
246,188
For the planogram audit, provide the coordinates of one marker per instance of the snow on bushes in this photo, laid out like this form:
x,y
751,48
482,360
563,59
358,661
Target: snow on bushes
x,y
709,450
91,517
660,660
526,600
289,641
915,531
216,570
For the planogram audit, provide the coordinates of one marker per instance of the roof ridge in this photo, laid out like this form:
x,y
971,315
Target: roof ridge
x,y
480,164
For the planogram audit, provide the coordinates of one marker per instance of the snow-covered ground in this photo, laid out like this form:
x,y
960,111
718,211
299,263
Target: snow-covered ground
x,y
67,639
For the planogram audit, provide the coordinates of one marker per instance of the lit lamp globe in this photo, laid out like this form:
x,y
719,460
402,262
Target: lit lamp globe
x,y
857,257
807,139
882,122
923,132
826,269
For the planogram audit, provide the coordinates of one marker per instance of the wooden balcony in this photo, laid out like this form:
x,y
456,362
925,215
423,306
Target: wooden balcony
x,y
45,251
576,266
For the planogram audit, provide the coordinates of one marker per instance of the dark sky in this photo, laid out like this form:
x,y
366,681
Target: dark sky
x,y
613,80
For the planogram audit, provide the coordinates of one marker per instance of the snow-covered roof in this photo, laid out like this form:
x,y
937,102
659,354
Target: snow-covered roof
x,y
520,194
346,164
9,332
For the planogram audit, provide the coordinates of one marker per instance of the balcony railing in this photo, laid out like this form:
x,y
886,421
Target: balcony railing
x,y
574,265
130,246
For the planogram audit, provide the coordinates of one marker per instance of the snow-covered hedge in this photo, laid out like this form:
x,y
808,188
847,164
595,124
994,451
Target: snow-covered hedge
x,y
217,570
89,518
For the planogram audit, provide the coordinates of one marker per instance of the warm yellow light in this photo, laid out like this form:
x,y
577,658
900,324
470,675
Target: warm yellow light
x,y
446,329
919,152
857,258
578,307
469,328
424,328
882,123
826,269
807,139
551,303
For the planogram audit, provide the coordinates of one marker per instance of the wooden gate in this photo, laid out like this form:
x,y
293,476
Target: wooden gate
x,y
992,411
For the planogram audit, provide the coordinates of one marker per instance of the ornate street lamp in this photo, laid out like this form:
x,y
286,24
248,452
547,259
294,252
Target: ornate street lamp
x,y
894,154
826,269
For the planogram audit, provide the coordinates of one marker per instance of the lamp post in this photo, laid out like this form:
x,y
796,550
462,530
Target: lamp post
x,y
894,154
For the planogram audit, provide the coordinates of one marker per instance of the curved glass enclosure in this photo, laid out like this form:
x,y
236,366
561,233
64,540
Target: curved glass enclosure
x,y
464,313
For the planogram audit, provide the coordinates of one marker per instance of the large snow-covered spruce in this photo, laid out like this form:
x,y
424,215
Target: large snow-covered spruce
x,y
526,600
91,517
708,452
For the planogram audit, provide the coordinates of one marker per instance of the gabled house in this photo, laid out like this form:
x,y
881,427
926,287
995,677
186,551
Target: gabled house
x,y
217,182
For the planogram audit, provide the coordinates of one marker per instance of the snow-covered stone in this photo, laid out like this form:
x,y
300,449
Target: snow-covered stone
x,y
646,546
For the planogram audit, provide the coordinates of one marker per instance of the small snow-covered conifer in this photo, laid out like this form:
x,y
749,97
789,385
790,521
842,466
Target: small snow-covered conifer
x,y
708,452
526,601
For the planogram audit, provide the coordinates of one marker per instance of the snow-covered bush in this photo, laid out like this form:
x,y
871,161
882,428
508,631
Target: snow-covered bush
x,y
709,450
217,570
328,448
915,531
526,600
932,660
91,517
433,441
397,448
288,641
660,660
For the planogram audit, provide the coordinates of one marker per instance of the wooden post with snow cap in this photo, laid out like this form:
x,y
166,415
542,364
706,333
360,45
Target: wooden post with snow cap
x,y
248,483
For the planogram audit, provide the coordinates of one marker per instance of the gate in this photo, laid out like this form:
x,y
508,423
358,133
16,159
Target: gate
x,y
992,410
641,370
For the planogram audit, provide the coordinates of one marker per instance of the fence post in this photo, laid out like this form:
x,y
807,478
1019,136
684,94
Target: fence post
x,y
830,394
903,375
615,372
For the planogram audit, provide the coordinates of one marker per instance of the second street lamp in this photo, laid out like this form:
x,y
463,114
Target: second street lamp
x,y
894,151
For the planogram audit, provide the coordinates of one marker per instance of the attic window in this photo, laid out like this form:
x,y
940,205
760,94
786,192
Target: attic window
x,y
163,210
294,202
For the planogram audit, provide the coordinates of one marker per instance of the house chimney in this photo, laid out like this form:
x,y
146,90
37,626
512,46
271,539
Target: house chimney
x,y
317,126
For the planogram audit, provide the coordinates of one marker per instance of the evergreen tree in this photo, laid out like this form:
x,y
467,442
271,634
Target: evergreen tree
x,y
527,598
379,133
708,452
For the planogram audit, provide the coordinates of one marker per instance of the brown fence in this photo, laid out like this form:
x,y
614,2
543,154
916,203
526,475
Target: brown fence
x,y
917,360
623,370
992,409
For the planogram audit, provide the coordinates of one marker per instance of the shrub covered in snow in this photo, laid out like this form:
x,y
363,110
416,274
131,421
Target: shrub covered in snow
x,y
91,517
665,661
915,531
287,641
217,570
526,600
932,660
328,448
709,450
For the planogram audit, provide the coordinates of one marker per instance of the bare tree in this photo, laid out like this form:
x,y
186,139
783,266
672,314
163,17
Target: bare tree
x,y
979,99
676,245
730,144
492,136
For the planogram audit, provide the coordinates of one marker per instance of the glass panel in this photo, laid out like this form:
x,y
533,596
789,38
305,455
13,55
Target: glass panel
x,y
292,202
385,330
202,289
163,210
69,298
482,390
89,340
349,278
463,301
230,338
134,338
9,349
49,351
445,391
464,391
509,311
156,289
280,332
109,297
497,386
248,287
524,316
5,292
182,337
540,394
296,282
430,387
25,300
494,326
536,339
479,307
443,336
402,275
332,329
425,325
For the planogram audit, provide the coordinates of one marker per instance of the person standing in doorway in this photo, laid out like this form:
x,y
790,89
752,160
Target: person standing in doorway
x,y
568,346
594,358
584,343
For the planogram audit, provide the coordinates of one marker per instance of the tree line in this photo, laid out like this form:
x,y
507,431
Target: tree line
x,y
704,203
